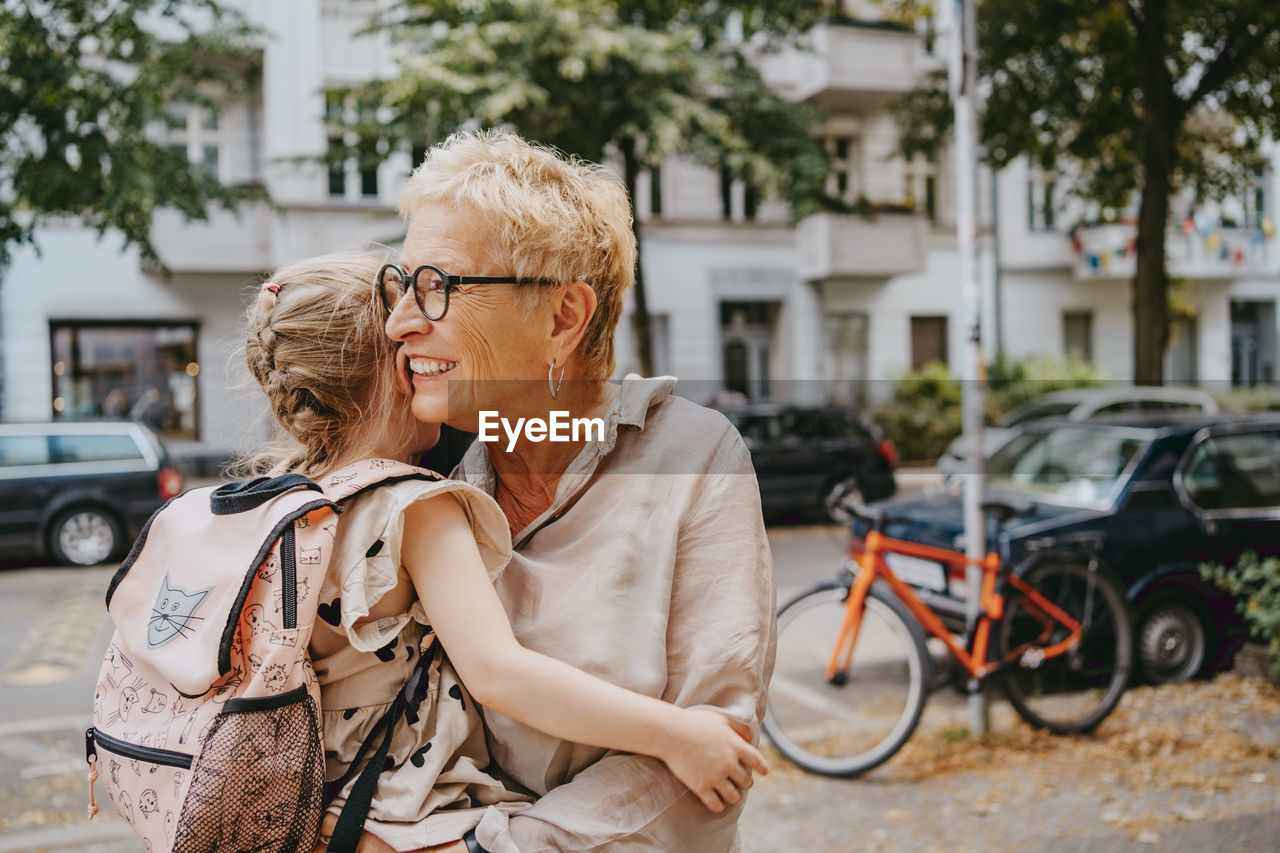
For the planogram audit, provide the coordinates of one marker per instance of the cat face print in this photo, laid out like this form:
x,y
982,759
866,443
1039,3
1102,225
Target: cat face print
x,y
174,613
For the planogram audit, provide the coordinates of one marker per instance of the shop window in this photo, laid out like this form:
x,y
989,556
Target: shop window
x,y
143,372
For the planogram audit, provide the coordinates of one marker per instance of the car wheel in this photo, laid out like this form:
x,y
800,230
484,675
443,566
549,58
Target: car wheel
x,y
1171,643
84,537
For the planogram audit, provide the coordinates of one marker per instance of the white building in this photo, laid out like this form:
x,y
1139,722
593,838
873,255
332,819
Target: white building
x,y
739,297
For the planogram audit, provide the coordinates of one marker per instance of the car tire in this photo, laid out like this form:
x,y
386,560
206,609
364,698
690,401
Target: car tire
x,y
1172,643
84,536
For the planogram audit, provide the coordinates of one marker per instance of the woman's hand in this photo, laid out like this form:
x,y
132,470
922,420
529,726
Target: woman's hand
x,y
713,757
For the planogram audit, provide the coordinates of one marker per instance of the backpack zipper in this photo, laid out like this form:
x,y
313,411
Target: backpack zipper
x,y
151,754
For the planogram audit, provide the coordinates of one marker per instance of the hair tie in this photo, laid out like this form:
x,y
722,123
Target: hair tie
x,y
272,286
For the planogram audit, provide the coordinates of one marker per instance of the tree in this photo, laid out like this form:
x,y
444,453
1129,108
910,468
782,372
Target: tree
x,y
1131,98
642,79
84,87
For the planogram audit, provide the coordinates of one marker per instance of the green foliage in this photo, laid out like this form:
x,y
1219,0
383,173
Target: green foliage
x,y
1011,384
83,87
645,78
924,414
1065,89
1261,398
1256,584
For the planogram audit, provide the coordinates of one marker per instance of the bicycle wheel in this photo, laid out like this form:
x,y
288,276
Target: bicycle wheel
x,y
1076,690
848,726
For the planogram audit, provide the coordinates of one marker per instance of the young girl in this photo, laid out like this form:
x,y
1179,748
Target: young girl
x,y
415,554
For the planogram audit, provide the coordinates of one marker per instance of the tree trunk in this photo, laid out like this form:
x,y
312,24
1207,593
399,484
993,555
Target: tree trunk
x,y
640,316
1151,280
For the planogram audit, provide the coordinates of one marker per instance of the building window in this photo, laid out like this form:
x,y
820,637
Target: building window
x,y
1041,190
353,161
655,192
139,371
847,337
1255,202
921,186
928,341
1077,334
194,132
843,181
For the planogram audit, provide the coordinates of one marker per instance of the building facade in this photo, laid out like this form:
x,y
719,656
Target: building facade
x,y
832,308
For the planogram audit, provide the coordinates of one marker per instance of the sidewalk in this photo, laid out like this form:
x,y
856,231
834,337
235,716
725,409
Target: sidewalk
x,y
1190,767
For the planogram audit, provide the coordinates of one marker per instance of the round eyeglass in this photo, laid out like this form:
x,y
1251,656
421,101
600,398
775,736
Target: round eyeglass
x,y
431,287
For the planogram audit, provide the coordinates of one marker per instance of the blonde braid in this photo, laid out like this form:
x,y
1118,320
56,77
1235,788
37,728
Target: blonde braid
x,y
315,344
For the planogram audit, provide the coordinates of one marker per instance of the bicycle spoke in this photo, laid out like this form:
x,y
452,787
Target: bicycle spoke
x,y
1074,690
849,726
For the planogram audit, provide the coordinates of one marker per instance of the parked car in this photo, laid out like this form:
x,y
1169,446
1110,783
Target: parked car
x,y
1156,496
80,491
1076,404
801,453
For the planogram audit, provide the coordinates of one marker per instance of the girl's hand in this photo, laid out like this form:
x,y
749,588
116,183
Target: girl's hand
x,y
711,755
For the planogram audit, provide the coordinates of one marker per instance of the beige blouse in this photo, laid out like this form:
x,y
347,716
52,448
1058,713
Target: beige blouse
x,y
651,569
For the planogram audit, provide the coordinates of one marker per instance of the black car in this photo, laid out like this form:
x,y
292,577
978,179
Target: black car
x,y
1155,497
79,491
801,453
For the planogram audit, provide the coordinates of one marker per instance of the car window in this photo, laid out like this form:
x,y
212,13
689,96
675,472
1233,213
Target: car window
x,y
1169,406
1077,466
1114,408
18,450
803,426
94,448
1035,411
1239,471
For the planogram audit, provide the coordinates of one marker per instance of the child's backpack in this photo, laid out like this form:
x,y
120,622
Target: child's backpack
x,y
207,710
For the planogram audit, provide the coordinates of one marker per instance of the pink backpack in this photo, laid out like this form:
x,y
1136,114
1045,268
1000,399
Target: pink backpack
x,y
207,711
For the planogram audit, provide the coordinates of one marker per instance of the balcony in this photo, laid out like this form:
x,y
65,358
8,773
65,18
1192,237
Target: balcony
x,y
832,245
848,67
1110,252
231,241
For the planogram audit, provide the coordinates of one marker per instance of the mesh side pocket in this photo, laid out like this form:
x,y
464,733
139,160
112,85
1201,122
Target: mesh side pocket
x,y
257,782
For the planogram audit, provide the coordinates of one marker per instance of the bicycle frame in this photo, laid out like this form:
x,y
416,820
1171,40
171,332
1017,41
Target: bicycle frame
x,y
872,565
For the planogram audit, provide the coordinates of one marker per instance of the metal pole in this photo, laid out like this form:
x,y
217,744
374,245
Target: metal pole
x,y
963,79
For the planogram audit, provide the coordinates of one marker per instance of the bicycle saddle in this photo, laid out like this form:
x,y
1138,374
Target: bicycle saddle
x,y
1005,510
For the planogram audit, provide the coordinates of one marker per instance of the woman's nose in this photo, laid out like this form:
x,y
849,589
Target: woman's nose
x,y
406,320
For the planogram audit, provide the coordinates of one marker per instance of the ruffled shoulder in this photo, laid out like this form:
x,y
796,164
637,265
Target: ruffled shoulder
x,y
366,562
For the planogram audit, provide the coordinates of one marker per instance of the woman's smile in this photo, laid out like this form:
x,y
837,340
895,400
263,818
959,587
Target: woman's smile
x,y
429,368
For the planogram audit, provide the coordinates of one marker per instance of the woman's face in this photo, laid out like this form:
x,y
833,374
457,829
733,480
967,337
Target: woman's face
x,y
486,352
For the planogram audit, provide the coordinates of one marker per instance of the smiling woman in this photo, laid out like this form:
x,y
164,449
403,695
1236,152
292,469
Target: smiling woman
x,y
618,534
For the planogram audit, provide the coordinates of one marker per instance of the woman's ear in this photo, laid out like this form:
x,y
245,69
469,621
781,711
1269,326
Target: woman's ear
x,y
574,306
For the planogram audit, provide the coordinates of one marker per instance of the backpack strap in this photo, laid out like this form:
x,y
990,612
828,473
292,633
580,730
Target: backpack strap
x,y
350,826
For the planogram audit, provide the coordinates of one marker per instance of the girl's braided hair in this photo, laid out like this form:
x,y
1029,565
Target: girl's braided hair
x,y
315,343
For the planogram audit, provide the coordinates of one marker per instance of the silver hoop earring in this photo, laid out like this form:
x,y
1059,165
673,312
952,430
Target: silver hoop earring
x,y
554,385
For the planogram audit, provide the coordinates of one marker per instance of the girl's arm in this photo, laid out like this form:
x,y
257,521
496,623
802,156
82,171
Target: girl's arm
x,y
704,749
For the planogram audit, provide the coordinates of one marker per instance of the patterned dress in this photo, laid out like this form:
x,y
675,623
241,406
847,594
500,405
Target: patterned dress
x,y
438,759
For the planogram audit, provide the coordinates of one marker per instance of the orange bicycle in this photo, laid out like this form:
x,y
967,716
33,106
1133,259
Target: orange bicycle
x,y
853,669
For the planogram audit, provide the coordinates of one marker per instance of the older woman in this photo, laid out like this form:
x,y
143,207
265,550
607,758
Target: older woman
x,y
640,551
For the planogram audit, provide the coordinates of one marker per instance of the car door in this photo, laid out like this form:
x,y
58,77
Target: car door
x,y
25,487
1231,480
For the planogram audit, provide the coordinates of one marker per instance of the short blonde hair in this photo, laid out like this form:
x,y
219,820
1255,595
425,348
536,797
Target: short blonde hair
x,y
549,217
315,343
